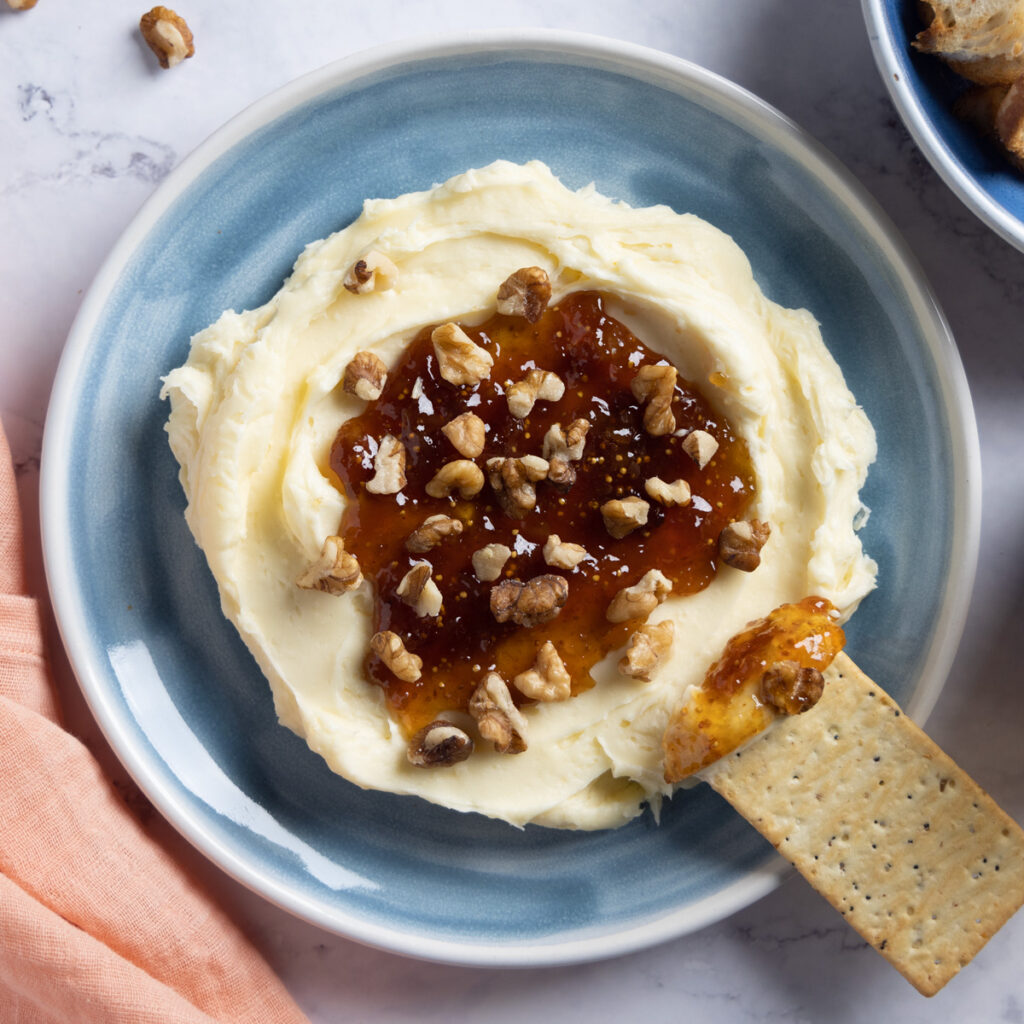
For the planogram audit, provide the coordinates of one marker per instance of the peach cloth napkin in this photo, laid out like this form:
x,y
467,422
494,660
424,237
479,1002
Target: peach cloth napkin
x,y
98,923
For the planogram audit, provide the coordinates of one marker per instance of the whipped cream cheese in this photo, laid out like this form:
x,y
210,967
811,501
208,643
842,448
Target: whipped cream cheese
x,y
256,407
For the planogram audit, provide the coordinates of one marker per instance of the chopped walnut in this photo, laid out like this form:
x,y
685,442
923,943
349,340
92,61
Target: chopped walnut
x,y
536,386
334,572
740,543
623,515
466,434
373,272
562,554
459,359
439,745
526,293
461,475
365,376
418,590
676,493
497,717
390,648
647,648
166,34
639,600
548,680
790,688
529,604
21,5
489,561
562,448
431,532
388,467
700,446
656,385
513,482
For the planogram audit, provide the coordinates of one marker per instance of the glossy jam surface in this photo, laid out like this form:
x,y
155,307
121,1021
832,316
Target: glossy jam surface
x,y
596,357
728,709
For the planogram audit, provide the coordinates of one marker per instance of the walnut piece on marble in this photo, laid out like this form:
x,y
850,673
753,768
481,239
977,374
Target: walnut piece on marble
x,y
497,717
675,493
647,649
525,293
418,590
467,434
459,359
373,272
700,446
462,475
563,554
439,745
548,680
390,648
365,376
740,543
536,386
489,560
562,448
790,688
639,600
334,572
388,467
167,35
529,604
656,385
513,480
431,532
624,515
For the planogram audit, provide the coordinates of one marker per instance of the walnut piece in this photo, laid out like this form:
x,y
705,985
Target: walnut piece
x,y
334,572
740,543
167,35
513,482
529,604
536,386
373,272
790,688
623,515
548,680
439,745
466,434
647,649
418,590
365,376
461,475
639,600
431,532
562,448
526,293
656,385
459,359
700,446
676,493
390,648
561,554
497,717
388,467
490,560
21,5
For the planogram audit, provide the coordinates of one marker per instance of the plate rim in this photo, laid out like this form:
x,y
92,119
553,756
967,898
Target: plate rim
x,y
647,65
916,120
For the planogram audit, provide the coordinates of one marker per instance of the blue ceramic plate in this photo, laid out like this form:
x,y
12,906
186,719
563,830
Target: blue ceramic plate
x,y
174,689
924,90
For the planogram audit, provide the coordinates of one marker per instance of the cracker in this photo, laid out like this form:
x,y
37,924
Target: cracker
x,y
898,838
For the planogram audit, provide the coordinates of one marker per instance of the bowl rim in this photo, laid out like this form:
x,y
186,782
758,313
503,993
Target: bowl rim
x,y
944,161
647,65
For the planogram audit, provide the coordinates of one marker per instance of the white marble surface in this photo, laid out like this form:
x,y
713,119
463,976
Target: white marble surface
x,y
88,128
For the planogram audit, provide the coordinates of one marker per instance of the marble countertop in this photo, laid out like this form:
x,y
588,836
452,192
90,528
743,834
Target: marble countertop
x,y
89,126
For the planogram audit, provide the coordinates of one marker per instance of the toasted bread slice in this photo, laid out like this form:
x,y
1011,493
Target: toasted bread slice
x,y
983,40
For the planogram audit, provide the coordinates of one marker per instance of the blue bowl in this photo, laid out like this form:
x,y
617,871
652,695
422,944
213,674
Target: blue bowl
x,y
178,695
924,90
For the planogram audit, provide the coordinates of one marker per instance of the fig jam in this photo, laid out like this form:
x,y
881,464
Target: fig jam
x,y
596,357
